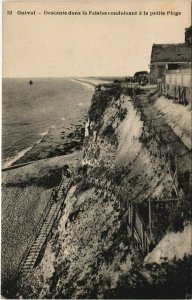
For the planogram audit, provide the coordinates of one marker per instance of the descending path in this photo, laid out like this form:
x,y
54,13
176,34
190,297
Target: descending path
x,y
168,141
166,134
32,254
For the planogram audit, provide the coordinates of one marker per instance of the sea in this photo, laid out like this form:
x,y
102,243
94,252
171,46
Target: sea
x,y
29,111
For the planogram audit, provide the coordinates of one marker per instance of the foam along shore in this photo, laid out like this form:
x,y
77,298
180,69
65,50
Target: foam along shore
x,y
60,140
91,82
11,163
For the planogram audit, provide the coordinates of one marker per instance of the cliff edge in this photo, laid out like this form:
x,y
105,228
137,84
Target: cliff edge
x,y
125,199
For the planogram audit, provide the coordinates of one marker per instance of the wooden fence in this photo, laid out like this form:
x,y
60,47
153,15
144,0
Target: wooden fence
x,y
138,224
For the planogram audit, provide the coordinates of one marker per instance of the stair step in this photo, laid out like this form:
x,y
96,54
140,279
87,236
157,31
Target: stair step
x,y
44,231
45,225
36,244
30,257
42,235
34,254
29,262
39,237
33,247
24,271
38,241
28,265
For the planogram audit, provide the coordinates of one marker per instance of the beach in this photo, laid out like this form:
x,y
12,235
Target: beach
x,y
27,189
25,193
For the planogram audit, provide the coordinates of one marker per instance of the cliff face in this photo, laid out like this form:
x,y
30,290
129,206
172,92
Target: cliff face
x,y
91,254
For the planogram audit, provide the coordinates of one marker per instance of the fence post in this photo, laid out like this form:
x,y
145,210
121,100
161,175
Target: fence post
x,y
150,218
132,219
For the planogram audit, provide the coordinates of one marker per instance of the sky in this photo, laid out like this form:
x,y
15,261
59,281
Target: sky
x,y
88,45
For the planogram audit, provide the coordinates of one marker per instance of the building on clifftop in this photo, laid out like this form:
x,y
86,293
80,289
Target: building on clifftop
x,y
170,57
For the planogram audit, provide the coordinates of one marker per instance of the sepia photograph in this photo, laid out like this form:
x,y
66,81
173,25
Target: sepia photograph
x,y
96,181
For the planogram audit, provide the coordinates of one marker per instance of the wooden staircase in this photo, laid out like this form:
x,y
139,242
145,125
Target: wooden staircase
x,y
44,230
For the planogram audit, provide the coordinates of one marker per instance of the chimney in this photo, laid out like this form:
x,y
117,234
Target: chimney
x,y
188,36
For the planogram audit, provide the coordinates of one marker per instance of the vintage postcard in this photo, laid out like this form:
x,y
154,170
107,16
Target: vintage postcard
x,y
96,149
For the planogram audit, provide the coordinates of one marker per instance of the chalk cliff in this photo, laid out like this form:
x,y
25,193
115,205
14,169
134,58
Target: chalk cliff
x,y
92,253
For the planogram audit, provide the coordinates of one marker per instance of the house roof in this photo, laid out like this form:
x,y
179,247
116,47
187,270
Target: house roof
x,y
171,53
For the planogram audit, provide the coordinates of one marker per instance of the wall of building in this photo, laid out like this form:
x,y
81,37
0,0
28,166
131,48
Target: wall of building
x,y
158,70
180,77
178,80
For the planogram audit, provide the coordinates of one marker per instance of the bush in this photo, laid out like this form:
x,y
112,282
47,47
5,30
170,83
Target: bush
x,y
170,218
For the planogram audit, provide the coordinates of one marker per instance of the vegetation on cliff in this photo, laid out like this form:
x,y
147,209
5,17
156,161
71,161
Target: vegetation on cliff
x,y
91,253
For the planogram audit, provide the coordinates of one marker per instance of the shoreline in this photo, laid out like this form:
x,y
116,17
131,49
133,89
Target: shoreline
x,y
85,83
57,142
61,139
10,162
91,82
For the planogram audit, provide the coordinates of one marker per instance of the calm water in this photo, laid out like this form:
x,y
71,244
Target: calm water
x,y
29,111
